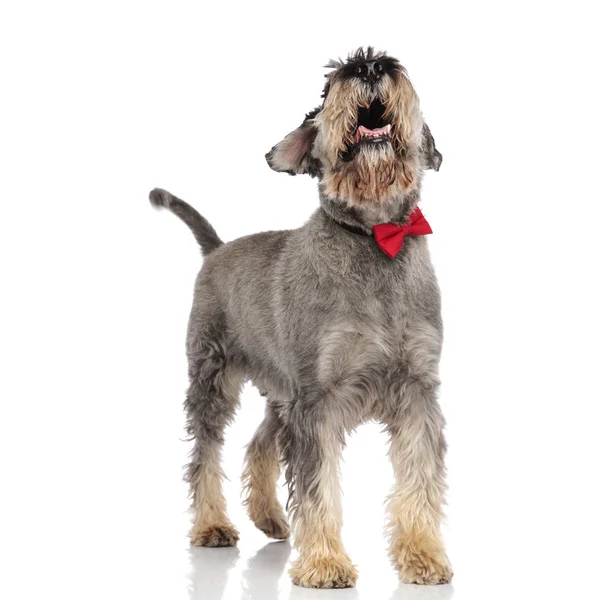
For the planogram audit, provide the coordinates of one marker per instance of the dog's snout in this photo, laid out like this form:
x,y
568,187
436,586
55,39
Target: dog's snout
x,y
370,70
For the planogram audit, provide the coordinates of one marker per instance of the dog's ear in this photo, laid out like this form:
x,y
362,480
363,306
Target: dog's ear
x,y
293,154
433,159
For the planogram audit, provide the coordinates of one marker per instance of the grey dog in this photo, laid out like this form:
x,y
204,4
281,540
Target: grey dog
x,y
332,330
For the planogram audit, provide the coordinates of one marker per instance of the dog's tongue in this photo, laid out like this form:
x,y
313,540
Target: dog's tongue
x,y
373,133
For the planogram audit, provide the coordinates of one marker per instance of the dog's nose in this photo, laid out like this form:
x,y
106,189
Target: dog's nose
x,y
370,71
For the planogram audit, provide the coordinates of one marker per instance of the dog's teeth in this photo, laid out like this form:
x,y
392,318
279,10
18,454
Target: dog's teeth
x,y
377,135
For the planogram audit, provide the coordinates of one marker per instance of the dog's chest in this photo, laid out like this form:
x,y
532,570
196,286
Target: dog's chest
x,y
359,334
371,350
355,315
367,327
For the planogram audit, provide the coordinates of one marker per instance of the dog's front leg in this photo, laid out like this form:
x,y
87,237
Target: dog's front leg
x,y
417,452
313,442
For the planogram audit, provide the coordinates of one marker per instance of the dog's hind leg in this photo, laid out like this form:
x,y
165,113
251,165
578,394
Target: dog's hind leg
x,y
260,476
313,441
211,402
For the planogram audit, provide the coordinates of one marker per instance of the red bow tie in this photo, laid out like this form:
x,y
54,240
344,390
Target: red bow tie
x,y
390,237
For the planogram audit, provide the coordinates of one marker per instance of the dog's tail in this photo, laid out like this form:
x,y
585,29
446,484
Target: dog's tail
x,y
203,231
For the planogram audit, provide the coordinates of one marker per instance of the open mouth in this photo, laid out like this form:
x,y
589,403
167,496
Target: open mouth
x,y
373,128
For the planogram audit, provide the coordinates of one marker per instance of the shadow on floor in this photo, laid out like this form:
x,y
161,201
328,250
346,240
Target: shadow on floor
x,y
260,580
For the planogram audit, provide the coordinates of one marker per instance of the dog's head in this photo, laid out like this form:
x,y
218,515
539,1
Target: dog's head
x,y
367,142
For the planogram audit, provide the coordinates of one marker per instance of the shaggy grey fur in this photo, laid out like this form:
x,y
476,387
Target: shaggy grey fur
x,y
264,303
332,330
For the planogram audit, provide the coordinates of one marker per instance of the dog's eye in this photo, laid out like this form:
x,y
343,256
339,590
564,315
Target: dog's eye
x,y
362,70
377,68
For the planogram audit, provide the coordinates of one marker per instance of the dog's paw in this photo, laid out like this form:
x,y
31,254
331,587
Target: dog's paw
x,y
216,536
329,572
424,569
274,526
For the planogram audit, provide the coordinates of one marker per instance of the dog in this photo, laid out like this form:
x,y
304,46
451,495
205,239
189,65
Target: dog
x,y
337,323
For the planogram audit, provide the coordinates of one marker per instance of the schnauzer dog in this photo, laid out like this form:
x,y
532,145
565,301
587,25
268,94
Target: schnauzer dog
x,y
337,322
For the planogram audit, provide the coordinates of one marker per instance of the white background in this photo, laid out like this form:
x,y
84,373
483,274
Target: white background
x,y
101,101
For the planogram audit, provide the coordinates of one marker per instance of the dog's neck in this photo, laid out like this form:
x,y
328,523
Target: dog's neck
x,y
396,210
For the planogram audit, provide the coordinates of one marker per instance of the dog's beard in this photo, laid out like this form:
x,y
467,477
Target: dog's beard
x,y
376,175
